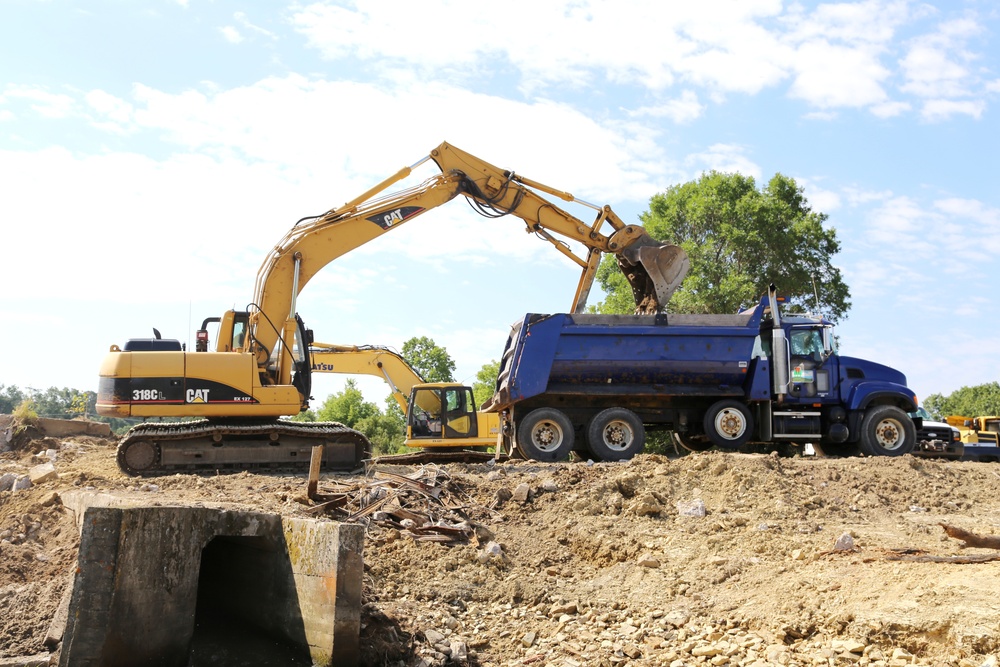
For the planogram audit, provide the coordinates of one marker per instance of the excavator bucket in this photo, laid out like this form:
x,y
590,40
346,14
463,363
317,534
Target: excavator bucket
x,y
654,270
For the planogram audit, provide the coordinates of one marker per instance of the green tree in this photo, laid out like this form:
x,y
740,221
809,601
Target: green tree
x,y
431,361
486,382
63,403
348,406
10,398
739,240
386,431
980,401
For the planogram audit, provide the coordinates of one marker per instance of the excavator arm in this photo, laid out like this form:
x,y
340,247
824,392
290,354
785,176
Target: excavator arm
x,y
367,360
654,270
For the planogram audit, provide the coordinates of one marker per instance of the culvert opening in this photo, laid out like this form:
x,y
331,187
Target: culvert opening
x,y
243,614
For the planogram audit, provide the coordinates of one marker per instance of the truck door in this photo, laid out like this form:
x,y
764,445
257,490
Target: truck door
x,y
812,372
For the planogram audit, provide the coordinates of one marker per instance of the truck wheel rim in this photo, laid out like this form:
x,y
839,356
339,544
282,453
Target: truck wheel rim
x,y
618,435
730,424
547,436
889,434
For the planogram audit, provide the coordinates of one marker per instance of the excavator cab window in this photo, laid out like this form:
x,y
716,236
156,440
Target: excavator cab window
x,y
425,413
460,409
442,412
239,333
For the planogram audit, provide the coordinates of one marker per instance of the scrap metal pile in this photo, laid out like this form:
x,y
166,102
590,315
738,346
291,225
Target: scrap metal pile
x,y
425,505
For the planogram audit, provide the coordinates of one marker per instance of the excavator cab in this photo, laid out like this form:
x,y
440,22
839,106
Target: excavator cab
x,y
441,411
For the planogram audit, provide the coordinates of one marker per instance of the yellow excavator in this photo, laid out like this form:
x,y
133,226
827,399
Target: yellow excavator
x,y
980,437
260,369
439,415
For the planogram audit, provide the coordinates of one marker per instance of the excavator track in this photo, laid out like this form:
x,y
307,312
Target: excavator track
x,y
211,445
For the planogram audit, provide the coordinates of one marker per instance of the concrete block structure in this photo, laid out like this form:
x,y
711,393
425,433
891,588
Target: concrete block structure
x,y
158,585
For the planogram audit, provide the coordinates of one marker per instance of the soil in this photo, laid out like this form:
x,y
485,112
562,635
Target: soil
x,y
713,558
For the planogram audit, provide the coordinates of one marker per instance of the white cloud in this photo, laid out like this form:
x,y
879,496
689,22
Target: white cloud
x,y
936,64
725,158
231,34
832,75
109,107
275,121
684,109
640,42
857,196
935,110
890,109
820,200
41,101
983,223
833,55
247,24
905,243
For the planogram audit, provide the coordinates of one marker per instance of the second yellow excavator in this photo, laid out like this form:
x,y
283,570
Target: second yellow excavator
x,y
260,369
439,415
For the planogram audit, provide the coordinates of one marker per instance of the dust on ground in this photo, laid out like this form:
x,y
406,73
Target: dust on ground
x,y
713,558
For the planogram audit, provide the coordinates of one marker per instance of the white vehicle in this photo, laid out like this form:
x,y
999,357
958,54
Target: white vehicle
x,y
936,439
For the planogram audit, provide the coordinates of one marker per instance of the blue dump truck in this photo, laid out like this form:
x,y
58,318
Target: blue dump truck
x,y
595,383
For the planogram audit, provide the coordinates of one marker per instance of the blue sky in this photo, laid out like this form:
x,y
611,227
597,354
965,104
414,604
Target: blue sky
x,y
152,152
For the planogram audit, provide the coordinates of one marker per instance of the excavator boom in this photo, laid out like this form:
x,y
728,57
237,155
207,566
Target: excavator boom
x,y
654,270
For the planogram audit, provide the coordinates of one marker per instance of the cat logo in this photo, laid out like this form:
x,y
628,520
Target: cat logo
x,y
390,218
197,396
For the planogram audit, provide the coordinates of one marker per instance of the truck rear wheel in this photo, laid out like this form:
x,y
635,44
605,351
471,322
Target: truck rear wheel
x,y
615,434
728,424
545,434
887,431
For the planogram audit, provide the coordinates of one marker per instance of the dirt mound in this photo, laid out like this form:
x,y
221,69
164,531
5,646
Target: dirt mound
x,y
712,558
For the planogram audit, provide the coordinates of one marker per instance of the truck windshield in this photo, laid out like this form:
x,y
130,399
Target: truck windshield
x,y
806,342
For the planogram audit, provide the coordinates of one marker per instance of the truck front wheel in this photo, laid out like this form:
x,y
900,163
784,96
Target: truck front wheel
x,y
616,434
728,424
887,431
545,434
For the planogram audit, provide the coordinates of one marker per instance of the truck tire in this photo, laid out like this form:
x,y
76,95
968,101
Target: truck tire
x,y
545,434
728,424
887,431
615,434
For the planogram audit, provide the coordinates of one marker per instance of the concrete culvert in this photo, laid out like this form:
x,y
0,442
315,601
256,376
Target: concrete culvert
x,y
176,586
237,619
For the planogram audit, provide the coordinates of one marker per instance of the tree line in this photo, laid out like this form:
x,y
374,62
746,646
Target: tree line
x,y
979,401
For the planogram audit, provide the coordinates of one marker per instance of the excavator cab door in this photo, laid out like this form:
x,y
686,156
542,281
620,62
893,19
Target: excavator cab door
x,y
459,413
